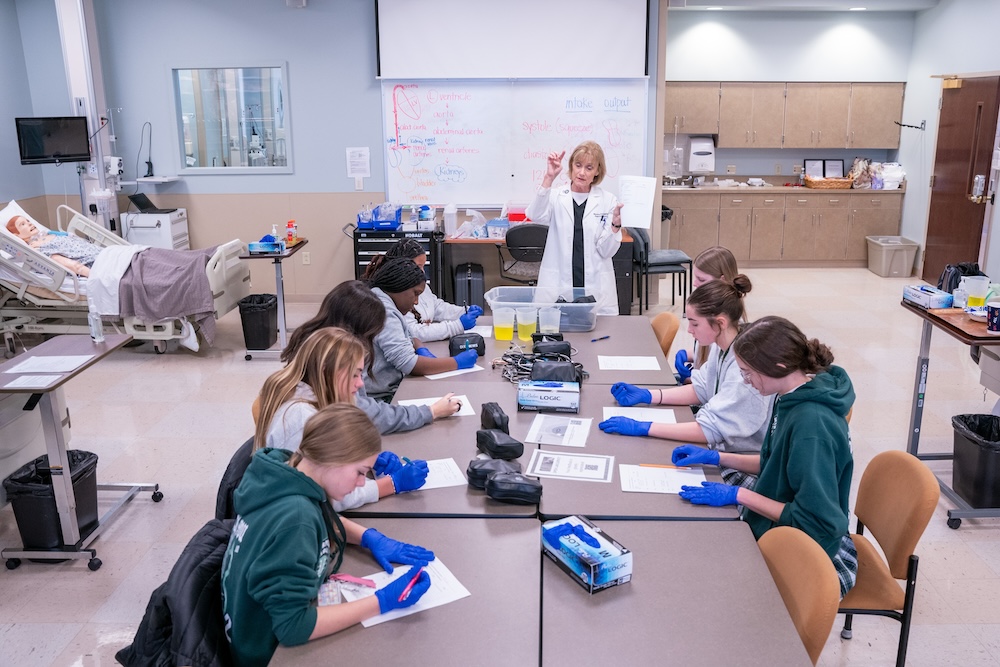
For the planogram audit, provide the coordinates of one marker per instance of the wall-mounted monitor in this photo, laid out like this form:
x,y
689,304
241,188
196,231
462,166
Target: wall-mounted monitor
x,y
53,140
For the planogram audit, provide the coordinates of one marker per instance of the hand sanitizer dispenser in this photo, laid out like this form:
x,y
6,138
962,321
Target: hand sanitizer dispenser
x,y
701,155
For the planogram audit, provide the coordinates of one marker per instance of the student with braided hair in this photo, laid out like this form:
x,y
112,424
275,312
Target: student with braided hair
x,y
398,283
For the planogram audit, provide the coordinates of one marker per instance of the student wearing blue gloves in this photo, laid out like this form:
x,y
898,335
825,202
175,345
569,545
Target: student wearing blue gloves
x,y
287,540
398,283
805,464
715,263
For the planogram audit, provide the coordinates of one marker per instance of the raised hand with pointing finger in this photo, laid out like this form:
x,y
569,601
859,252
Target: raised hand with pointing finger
x,y
553,167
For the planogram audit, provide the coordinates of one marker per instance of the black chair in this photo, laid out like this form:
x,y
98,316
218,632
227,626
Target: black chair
x,y
525,244
654,261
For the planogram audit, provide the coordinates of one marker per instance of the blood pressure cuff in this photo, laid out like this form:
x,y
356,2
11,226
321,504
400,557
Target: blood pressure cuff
x,y
514,488
498,445
553,348
480,469
560,371
495,417
466,341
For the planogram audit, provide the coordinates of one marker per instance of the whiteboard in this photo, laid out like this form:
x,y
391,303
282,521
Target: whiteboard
x,y
485,143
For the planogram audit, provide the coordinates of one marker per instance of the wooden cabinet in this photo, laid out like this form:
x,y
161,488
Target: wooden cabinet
x,y
735,217
816,115
815,227
767,227
691,107
751,115
875,214
875,110
695,225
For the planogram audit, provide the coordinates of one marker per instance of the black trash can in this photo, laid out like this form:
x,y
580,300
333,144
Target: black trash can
x,y
259,313
976,466
29,489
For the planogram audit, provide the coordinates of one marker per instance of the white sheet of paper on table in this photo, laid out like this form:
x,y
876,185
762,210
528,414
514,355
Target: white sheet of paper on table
x,y
51,364
465,411
636,193
484,330
32,382
557,430
657,415
445,588
442,473
649,479
565,465
609,363
448,374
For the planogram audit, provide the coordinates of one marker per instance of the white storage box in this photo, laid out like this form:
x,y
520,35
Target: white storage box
x,y
573,316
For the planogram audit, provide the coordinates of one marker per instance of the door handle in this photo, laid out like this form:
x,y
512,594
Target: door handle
x,y
978,190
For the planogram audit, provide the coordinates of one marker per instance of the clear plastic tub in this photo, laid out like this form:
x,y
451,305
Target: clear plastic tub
x,y
573,316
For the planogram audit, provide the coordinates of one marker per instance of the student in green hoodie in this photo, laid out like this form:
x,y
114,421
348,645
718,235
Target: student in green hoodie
x,y
287,540
805,464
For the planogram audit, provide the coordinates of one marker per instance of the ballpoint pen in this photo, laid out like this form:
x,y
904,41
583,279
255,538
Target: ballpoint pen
x,y
594,340
409,587
406,461
663,465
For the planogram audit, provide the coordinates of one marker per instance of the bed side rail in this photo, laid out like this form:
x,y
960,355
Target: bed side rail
x,y
36,270
73,222
228,276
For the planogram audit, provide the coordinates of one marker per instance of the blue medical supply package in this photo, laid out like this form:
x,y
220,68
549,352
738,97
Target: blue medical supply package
x,y
548,395
594,568
927,297
265,248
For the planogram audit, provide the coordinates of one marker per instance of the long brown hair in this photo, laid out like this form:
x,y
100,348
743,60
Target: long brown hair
x,y
721,297
323,359
351,305
339,434
775,347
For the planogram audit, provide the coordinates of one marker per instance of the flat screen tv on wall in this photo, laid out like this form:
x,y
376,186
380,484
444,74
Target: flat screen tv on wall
x,y
53,140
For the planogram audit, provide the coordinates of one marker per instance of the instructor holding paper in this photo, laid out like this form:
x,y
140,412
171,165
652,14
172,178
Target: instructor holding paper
x,y
584,230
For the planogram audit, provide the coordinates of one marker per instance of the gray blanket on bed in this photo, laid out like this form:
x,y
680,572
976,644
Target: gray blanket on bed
x,y
162,283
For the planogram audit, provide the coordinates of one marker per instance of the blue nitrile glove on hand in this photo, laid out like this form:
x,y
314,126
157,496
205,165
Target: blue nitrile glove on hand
x,y
386,551
687,455
388,596
628,394
386,463
552,535
466,359
710,493
469,319
424,352
682,365
410,477
625,426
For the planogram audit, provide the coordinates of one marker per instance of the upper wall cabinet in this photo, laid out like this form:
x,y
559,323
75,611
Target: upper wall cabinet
x,y
751,115
816,115
691,107
876,108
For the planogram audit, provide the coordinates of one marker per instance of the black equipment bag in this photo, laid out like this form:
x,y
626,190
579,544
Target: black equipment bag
x,y
514,488
498,445
493,416
470,287
953,273
480,469
466,341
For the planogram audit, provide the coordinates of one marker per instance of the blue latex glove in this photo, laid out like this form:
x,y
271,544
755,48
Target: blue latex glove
x,y
710,493
388,596
682,365
687,455
466,359
628,394
410,477
387,463
625,426
552,535
469,319
424,352
386,551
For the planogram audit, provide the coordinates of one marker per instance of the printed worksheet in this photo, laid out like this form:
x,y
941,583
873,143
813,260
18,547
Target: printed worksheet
x,y
445,588
442,473
52,364
637,193
658,478
563,465
609,363
484,330
448,374
657,415
32,382
562,431
465,411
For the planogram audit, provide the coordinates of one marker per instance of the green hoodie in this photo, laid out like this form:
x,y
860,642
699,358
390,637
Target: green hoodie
x,y
276,560
806,460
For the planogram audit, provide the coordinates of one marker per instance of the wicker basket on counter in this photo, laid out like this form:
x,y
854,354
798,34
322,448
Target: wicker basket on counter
x,y
829,183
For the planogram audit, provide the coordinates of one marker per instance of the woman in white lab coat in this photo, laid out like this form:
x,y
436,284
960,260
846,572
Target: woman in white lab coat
x,y
584,230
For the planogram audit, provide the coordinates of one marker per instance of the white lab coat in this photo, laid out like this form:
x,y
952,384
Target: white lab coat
x,y
554,207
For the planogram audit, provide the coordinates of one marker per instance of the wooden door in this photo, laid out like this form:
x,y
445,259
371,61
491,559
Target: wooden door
x,y
875,110
966,129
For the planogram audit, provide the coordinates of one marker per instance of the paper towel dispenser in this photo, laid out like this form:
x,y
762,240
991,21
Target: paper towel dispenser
x,y
701,155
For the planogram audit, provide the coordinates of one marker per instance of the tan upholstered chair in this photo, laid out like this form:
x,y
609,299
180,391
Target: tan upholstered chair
x,y
896,499
665,326
807,581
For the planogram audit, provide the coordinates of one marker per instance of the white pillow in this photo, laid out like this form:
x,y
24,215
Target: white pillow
x,y
11,210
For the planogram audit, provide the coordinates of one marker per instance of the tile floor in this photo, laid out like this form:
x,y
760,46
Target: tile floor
x,y
176,418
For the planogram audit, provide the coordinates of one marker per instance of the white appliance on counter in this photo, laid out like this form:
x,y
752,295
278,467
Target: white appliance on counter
x,y
159,230
701,155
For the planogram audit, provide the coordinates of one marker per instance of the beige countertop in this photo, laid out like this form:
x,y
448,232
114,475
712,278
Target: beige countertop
x,y
773,189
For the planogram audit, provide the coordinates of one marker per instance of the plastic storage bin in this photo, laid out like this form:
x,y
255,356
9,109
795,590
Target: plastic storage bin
x,y
259,314
976,466
29,489
573,316
891,256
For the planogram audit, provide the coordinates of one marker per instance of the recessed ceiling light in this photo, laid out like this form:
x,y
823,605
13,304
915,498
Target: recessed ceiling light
x,y
713,9
858,9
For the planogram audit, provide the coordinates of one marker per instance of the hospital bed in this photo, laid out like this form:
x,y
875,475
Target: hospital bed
x,y
39,295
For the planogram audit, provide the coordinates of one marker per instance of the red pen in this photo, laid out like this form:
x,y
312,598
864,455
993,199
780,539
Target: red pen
x,y
409,587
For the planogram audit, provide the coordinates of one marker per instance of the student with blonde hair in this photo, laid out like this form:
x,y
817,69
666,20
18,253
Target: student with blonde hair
x,y
715,263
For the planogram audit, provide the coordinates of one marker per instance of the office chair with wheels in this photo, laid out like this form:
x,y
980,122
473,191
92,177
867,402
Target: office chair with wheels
x,y
654,261
525,244
896,499
665,326
807,581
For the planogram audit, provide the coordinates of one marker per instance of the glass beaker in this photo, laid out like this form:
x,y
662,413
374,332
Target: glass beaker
x,y
527,323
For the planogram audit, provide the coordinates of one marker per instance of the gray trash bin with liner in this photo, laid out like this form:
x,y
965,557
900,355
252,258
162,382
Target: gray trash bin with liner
x,y
29,489
259,313
891,256
976,466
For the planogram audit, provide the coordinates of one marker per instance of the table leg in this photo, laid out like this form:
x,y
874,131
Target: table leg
x,y
62,480
279,288
919,389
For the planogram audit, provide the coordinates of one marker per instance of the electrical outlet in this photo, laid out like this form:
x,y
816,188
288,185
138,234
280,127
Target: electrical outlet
x,y
730,168
797,169
777,170
305,258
